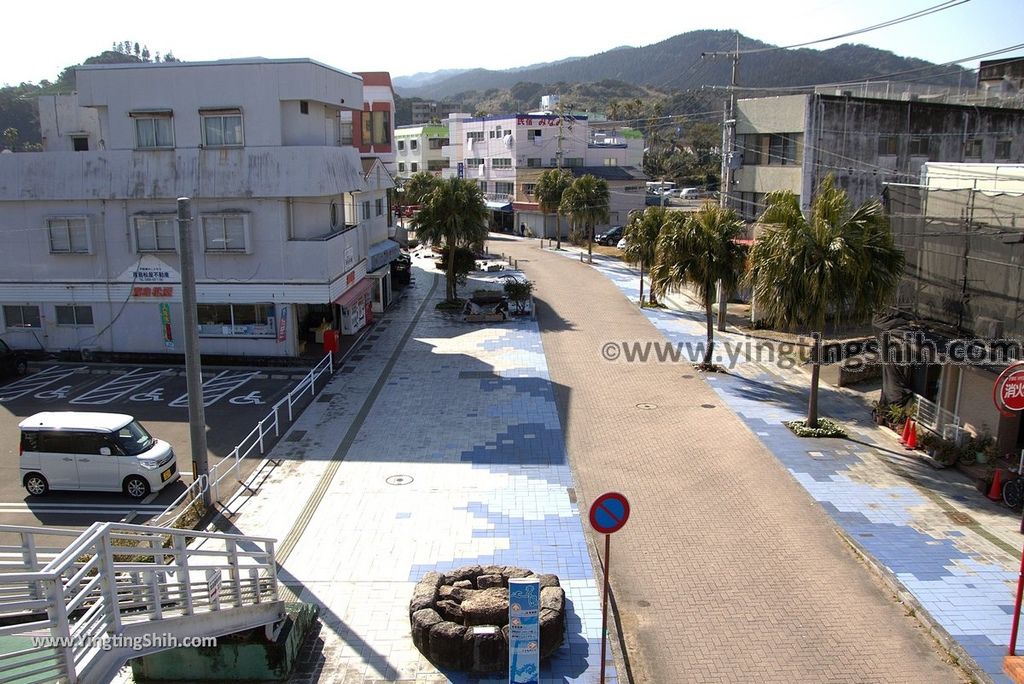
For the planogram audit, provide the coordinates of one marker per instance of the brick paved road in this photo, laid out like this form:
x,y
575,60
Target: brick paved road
x,y
727,570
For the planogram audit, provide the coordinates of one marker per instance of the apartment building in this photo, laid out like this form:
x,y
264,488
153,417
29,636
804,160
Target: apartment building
x,y
866,137
507,154
420,148
428,111
286,213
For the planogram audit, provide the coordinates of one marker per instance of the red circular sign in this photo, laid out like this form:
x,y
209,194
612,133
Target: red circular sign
x,y
1008,392
609,512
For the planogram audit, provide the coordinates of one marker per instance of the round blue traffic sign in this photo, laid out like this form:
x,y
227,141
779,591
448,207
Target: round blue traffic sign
x,y
609,512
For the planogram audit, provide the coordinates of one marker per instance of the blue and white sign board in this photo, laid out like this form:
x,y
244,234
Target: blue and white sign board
x,y
524,630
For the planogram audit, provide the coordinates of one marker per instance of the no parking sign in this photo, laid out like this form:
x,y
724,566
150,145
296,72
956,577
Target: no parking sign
x,y
608,514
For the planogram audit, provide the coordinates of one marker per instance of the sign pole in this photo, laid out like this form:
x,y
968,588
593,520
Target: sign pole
x,y
604,601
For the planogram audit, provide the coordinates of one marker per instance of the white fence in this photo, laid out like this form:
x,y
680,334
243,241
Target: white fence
x,y
944,423
225,473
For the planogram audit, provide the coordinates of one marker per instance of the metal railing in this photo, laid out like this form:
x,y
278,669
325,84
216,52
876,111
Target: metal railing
x,y
230,466
61,617
942,422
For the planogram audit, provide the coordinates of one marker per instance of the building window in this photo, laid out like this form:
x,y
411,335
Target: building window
x,y
303,107
483,186
529,189
534,163
346,132
22,317
497,132
503,188
222,128
436,164
155,234
750,147
69,235
414,167
611,161
887,145
153,130
414,144
379,206
533,133
365,206
437,143
972,149
574,161
80,143
401,166
919,145
501,163
475,135
232,320
74,315
225,233
475,161
401,145
1003,149
380,132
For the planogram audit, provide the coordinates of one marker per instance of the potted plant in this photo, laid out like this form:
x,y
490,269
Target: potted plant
x,y
518,292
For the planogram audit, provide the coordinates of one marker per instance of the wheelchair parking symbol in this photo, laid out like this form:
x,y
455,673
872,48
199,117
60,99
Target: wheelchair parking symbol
x,y
56,393
250,398
152,395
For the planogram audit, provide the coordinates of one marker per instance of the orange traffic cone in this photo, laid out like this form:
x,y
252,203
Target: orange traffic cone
x,y
912,436
906,431
995,492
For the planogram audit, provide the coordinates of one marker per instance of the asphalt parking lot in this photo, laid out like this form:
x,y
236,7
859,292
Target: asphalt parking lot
x,y
235,400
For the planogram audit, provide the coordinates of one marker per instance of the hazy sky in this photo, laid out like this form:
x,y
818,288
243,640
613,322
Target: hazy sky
x,y
405,37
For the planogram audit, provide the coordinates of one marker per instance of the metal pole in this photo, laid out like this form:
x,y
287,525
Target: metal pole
x,y
193,362
604,601
1016,607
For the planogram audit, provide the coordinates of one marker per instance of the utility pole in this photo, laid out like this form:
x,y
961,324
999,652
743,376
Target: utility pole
x,y
558,165
728,145
193,363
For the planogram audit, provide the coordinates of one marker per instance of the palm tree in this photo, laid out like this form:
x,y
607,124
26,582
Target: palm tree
x,y
550,186
586,200
701,251
641,237
454,213
837,263
419,185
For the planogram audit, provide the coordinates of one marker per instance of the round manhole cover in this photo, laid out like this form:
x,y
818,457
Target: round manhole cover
x,y
707,406
688,377
399,480
643,604
646,407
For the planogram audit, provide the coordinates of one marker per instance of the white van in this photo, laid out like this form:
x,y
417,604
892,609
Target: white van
x,y
103,452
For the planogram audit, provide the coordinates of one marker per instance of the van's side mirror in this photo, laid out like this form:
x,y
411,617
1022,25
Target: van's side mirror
x,y
104,451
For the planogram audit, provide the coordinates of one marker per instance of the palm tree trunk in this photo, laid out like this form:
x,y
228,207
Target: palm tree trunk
x,y
590,244
710,350
641,283
812,403
449,272
558,230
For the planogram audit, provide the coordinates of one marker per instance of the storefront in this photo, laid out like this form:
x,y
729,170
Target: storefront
x,y
356,307
381,254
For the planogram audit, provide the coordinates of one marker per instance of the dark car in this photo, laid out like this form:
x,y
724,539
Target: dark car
x,y
609,237
12,362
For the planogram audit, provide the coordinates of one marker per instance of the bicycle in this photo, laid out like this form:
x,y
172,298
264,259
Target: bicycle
x,y
1013,489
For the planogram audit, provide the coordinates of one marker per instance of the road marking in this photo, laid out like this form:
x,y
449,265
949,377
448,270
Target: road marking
x,y
218,387
80,509
156,394
36,382
250,398
56,393
119,386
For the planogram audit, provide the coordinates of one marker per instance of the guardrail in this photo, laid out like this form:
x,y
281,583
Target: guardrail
x,y
230,465
121,580
944,423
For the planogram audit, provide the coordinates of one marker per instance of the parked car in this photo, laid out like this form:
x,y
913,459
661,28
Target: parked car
x,y
610,236
12,362
102,452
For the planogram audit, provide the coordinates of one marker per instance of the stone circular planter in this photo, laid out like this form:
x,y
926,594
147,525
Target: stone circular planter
x,y
459,619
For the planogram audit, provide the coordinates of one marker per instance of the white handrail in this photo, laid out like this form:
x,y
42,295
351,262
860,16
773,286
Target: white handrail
x,y
230,465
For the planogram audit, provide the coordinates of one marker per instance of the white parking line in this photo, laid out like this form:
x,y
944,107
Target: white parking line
x,y
218,387
120,386
80,509
35,382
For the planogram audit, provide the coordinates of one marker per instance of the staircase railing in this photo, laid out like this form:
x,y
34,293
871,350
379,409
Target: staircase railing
x,y
68,606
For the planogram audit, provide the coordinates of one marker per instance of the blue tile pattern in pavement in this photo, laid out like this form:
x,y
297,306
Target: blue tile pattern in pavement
x,y
969,596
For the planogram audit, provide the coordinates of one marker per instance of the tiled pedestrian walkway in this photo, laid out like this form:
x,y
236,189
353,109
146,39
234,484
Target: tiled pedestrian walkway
x,y
950,548
440,446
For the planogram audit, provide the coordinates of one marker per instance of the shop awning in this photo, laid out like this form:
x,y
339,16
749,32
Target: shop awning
x,y
383,253
354,293
499,206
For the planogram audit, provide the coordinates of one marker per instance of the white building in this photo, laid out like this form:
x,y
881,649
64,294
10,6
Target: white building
x,y
286,217
420,148
507,155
